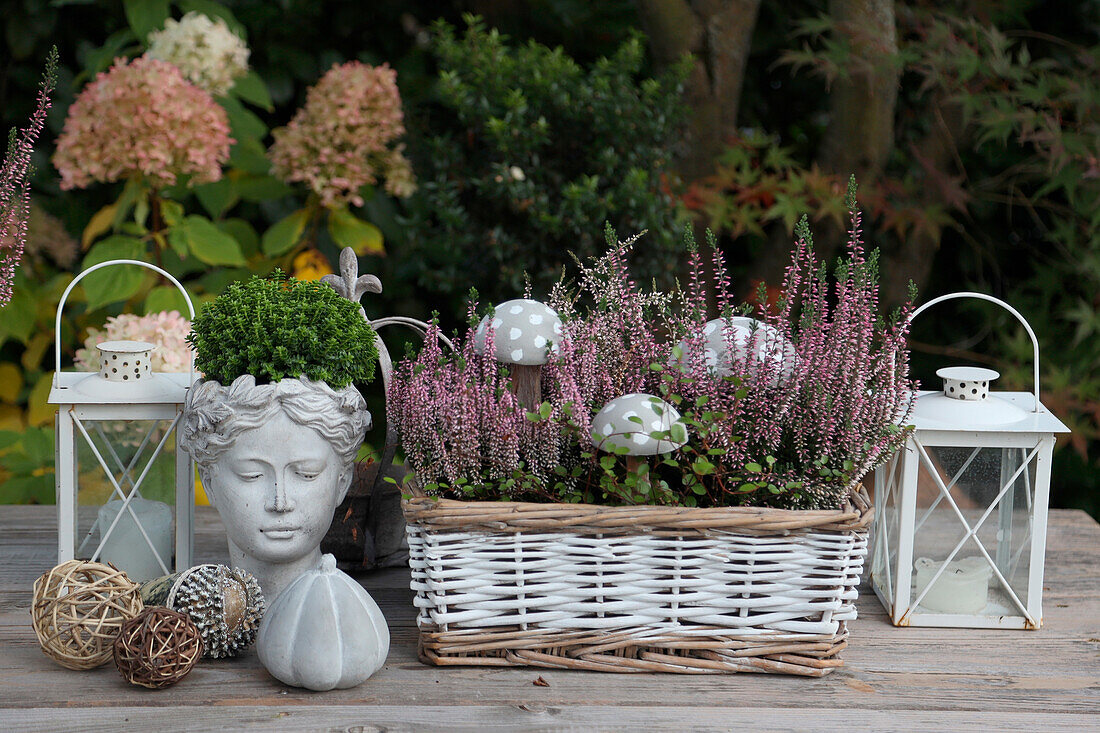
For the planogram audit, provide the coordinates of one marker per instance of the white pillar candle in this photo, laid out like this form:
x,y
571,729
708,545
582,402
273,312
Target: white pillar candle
x,y
126,548
963,586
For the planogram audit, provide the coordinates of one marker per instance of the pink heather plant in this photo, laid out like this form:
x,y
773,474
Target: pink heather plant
x,y
345,136
460,425
167,330
142,119
15,192
796,431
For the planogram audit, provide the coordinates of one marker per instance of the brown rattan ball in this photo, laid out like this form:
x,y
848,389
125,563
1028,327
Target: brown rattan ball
x,y
78,609
157,648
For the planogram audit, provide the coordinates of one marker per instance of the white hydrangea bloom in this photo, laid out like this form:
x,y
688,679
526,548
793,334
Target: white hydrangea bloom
x,y
209,54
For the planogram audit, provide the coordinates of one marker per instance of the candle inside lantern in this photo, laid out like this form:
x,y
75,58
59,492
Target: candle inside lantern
x,y
963,587
126,548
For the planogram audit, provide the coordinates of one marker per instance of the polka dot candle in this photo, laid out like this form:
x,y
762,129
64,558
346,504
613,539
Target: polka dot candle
x,y
125,361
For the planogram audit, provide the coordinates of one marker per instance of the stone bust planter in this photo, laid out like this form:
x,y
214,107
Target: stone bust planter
x,y
276,459
277,422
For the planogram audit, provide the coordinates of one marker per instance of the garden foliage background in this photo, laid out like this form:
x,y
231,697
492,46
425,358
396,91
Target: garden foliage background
x,y
973,127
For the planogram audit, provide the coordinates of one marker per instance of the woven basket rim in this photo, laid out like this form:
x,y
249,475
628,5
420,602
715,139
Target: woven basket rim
x,y
507,516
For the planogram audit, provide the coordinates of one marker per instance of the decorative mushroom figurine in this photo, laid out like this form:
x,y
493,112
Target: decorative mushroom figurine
x,y
524,333
617,426
766,341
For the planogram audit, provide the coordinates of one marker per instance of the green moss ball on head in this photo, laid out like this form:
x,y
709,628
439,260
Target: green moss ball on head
x,y
279,327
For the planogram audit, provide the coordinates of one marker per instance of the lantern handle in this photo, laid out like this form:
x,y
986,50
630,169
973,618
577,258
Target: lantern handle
x,y
93,268
1007,307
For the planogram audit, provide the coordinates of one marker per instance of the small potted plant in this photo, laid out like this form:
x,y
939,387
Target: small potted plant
x,y
277,421
686,496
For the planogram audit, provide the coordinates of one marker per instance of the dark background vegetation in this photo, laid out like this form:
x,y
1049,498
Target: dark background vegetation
x,y
972,126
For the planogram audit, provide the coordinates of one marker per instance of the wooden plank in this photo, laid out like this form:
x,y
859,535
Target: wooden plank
x,y
530,717
895,678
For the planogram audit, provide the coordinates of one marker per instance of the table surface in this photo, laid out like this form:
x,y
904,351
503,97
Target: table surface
x,y
895,679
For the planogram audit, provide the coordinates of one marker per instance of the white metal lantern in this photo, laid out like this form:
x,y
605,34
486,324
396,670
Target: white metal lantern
x,y
961,510
125,415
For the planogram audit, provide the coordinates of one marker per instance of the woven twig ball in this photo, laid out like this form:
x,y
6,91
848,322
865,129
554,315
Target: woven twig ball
x,y
225,603
157,648
79,608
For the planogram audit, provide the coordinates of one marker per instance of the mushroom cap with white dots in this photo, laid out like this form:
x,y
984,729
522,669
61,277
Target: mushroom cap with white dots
x,y
613,428
524,332
747,334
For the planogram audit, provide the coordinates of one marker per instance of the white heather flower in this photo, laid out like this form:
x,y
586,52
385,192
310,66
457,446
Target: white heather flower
x,y
209,54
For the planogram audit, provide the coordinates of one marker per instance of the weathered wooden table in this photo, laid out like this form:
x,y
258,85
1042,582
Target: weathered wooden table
x,y
895,679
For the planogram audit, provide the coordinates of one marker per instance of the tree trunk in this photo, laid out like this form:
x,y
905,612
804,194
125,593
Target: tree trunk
x,y
718,33
911,258
860,134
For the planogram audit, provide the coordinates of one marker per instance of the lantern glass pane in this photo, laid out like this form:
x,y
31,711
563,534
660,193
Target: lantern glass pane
x,y
886,530
137,453
987,508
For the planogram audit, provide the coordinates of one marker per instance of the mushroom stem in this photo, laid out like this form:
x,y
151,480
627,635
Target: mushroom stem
x,y
633,464
527,385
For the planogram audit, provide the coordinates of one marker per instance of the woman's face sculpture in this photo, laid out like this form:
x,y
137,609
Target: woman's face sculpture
x,y
276,489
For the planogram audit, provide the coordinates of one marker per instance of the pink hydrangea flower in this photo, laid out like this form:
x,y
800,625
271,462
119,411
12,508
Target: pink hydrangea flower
x,y
344,137
142,118
167,330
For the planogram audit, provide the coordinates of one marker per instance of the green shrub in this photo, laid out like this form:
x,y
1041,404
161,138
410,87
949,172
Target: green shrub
x,y
280,327
530,153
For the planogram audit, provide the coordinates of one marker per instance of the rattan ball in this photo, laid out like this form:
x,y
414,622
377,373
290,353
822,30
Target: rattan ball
x,y
79,608
157,648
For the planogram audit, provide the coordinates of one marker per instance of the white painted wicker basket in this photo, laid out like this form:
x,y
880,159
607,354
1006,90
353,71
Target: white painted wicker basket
x,y
632,589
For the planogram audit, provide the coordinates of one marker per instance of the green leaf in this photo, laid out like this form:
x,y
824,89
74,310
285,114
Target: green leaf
x,y
25,489
281,237
166,298
754,467
131,192
98,224
171,211
243,124
348,230
145,16
261,188
244,233
217,197
17,318
545,409
38,444
113,284
208,243
249,155
252,89
702,466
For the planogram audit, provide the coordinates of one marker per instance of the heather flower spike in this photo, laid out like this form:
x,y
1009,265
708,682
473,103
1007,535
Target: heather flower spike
x,y
349,284
15,192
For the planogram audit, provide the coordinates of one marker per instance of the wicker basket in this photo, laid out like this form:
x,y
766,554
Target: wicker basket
x,y
635,589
